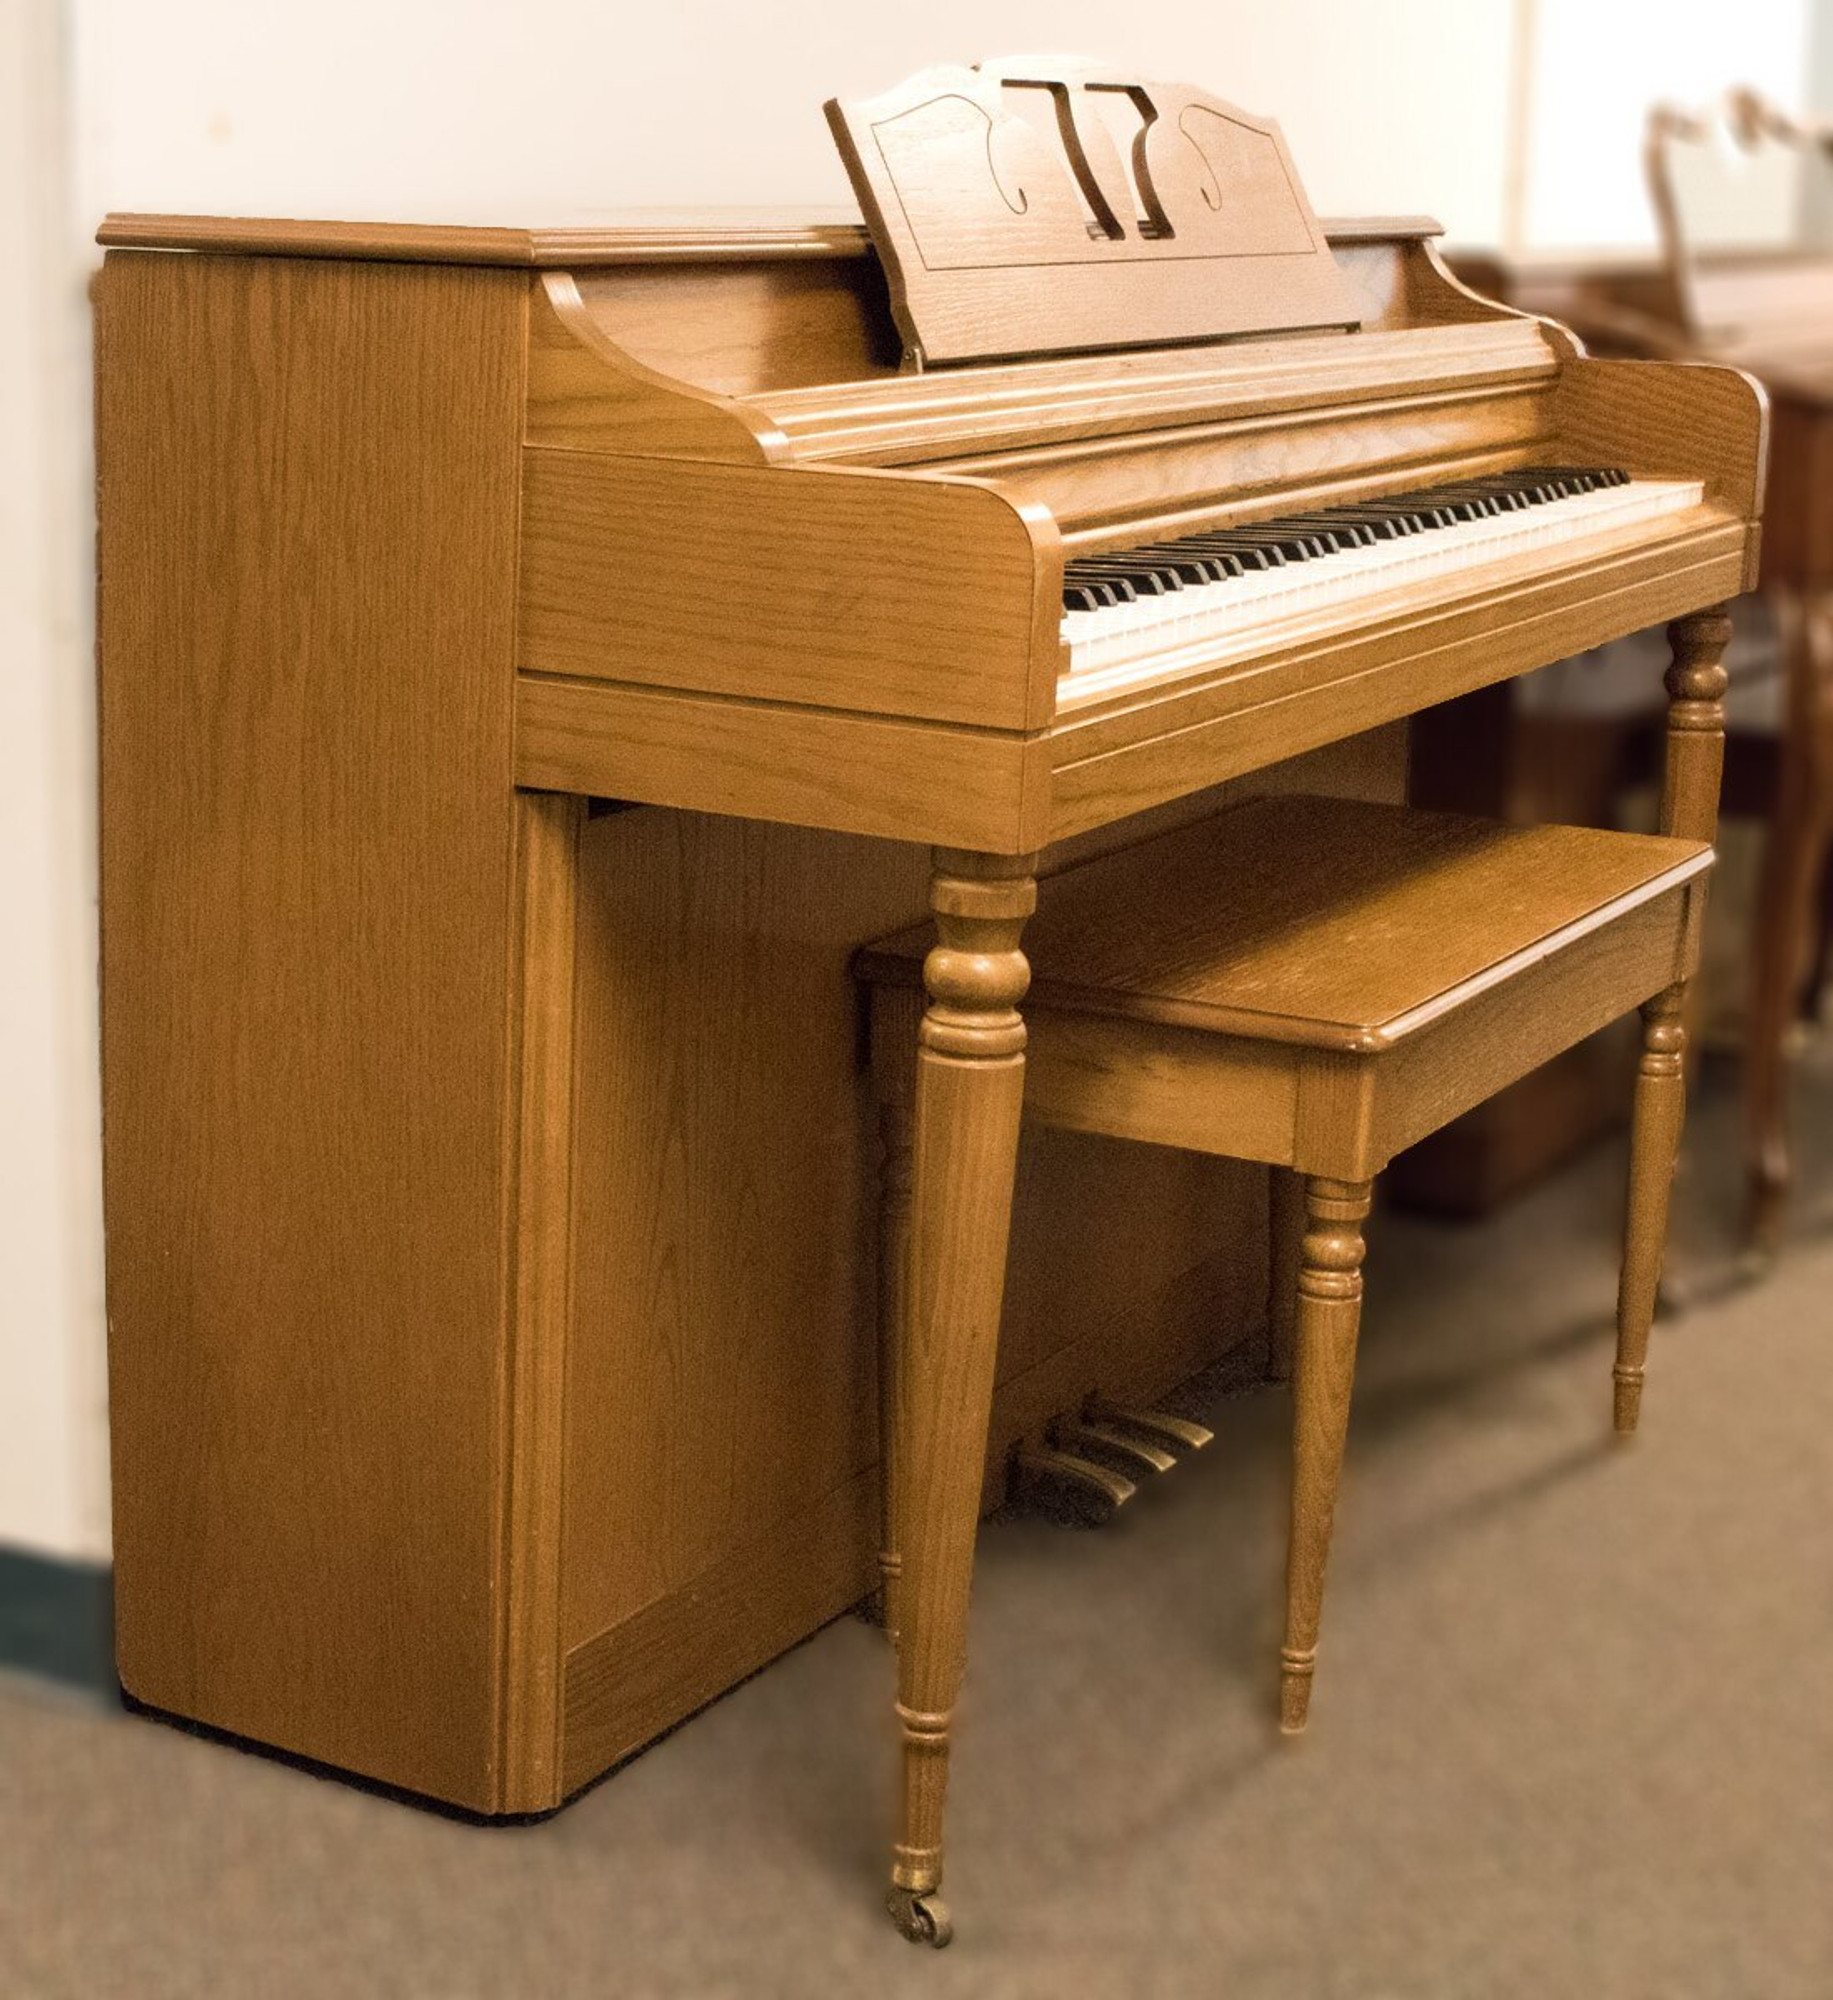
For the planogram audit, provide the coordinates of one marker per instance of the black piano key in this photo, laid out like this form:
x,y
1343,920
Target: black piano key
x,y
1195,565
1549,482
1513,492
1251,555
1147,579
1407,515
1339,525
1295,544
1107,590
1502,499
1474,506
1375,522
1189,563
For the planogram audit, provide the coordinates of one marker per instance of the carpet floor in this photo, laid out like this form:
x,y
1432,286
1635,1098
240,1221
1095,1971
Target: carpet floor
x,y
1573,1732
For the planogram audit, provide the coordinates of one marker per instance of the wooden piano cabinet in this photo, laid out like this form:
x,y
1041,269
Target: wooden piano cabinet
x,y
489,1174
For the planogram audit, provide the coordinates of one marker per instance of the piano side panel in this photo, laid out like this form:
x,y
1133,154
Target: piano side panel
x,y
1680,418
721,1486
832,589
306,472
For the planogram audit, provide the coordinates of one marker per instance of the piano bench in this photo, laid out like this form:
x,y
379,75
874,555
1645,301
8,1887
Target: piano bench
x,y
1316,983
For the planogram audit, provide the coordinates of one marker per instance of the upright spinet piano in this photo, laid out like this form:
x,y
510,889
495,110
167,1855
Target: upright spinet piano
x,y
532,659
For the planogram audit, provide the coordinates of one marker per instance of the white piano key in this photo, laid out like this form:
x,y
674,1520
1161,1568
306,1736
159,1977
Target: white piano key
x,y
1132,633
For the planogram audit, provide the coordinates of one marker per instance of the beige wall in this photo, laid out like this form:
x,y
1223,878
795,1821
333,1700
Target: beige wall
x,y
478,107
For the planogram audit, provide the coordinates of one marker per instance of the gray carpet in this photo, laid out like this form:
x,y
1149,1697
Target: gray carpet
x,y
1573,1732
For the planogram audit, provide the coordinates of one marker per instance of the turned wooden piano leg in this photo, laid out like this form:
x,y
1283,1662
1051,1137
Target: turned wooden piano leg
x,y
1794,861
1324,1367
1654,1148
970,1069
1285,1231
1695,766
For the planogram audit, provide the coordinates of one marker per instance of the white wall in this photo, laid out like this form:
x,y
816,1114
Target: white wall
x,y
53,1491
481,109
1596,66
450,108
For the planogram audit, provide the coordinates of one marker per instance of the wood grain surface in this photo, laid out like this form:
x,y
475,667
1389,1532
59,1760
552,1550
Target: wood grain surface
x,y
925,599
1159,212
1326,922
307,632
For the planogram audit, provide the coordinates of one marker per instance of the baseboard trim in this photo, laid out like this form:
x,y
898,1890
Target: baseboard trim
x,y
57,1619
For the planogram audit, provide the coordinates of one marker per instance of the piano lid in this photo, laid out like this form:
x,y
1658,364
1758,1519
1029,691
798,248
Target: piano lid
x,y
587,240
1044,205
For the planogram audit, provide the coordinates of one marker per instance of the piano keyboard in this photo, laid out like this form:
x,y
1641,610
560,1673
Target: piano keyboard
x,y
1127,604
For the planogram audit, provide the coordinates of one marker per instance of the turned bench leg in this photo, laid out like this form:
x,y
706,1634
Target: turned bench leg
x,y
1654,1149
970,1071
1329,1311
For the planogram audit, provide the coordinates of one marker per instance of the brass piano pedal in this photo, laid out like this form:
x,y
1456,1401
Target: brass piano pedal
x,y
1070,1488
1091,1437
1156,1424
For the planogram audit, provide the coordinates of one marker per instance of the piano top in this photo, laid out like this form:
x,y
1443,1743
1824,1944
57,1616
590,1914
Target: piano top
x,y
587,239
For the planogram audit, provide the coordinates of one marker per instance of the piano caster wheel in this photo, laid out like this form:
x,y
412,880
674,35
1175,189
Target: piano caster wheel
x,y
922,1917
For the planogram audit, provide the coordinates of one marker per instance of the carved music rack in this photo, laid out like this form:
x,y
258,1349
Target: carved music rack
x,y
1044,206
